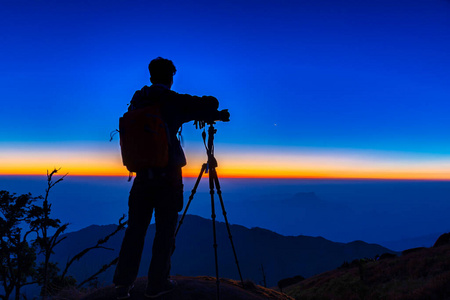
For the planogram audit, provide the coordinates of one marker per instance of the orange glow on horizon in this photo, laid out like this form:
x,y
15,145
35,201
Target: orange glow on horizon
x,y
232,164
239,173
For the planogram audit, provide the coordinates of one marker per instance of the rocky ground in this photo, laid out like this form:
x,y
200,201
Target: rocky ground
x,y
188,288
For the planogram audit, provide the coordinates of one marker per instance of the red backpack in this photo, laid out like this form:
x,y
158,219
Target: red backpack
x,y
144,139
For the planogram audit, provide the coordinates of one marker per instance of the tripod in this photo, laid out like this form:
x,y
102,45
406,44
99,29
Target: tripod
x,y
210,166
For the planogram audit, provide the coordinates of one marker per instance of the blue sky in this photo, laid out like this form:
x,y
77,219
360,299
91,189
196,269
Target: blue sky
x,y
346,77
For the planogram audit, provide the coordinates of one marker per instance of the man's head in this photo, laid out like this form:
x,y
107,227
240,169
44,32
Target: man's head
x,y
162,71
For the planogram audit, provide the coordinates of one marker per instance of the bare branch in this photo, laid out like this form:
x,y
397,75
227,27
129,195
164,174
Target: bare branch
x,y
103,269
97,246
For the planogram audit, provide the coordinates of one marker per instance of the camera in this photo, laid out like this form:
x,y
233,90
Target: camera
x,y
219,115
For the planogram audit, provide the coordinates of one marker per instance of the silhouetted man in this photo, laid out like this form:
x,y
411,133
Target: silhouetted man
x,y
159,189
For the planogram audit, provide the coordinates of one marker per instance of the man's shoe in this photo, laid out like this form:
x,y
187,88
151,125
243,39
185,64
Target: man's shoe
x,y
123,291
154,292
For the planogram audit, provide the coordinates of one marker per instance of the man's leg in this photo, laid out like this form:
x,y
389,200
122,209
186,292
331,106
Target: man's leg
x,y
139,216
168,203
163,246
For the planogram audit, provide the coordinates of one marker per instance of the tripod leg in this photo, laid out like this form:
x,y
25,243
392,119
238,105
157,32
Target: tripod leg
x,y
213,217
194,190
213,174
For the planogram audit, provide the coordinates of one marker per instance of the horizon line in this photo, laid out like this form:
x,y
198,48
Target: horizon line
x,y
393,178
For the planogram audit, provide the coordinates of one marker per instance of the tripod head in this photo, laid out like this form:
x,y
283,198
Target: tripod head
x,y
202,124
212,162
219,115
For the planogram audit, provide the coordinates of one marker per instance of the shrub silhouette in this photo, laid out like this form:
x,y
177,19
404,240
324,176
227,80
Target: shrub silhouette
x,y
21,219
17,257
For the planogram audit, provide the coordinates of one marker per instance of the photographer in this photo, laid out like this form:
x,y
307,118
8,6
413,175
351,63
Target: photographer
x,y
159,189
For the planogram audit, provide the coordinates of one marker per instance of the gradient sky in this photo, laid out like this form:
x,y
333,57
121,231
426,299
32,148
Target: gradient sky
x,y
319,88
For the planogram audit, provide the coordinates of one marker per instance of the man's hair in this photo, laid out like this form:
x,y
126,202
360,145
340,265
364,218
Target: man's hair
x,y
161,70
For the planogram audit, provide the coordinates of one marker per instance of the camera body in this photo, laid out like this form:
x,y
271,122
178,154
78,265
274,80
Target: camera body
x,y
219,115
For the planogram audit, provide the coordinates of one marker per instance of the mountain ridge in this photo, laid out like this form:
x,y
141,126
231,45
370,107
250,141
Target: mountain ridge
x,y
280,256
